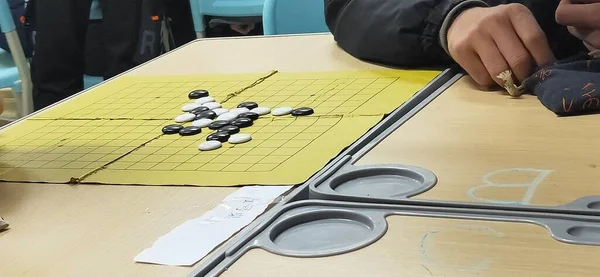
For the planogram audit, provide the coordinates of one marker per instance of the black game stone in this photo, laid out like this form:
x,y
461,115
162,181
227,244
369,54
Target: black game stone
x,y
215,125
302,111
251,115
190,131
220,136
206,114
248,105
171,129
198,94
242,122
230,129
198,110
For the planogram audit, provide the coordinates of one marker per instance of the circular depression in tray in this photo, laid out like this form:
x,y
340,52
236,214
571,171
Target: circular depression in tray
x,y
323,233
383,181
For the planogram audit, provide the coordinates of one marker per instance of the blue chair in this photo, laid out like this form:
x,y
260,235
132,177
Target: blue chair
x,y
294,17
224,8
14,68
95,14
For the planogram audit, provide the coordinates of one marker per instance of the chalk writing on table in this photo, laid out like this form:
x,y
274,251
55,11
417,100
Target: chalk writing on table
x,y
431,258
530,187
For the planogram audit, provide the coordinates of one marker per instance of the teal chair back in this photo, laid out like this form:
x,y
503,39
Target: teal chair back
x,y
6,20
224,8
14,68
294,17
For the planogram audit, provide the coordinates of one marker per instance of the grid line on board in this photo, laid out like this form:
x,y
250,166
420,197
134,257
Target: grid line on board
x,y
305,145
98,145
217,162
73,144
140,104
162,150
121,130
336,86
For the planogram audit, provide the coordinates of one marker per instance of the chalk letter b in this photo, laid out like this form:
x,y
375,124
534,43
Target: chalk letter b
x,y
530,187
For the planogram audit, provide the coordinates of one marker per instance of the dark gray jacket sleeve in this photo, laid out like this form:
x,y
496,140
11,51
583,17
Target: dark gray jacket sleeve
x,y
411,33
398,32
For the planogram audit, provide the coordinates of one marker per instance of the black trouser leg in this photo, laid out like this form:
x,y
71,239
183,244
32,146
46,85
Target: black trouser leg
x,y
120,23
58,65
182,24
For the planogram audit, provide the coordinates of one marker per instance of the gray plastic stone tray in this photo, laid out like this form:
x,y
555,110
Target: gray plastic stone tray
x,y
395,184
380,181
346,226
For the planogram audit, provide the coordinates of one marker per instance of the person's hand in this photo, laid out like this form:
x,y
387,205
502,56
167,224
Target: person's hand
x,y
590,38
242,29
582,18
489,41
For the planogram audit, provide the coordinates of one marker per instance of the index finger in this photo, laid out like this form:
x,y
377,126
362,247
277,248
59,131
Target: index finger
x,y
580,13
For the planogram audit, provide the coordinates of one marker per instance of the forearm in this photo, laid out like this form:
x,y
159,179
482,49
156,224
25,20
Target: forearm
x,y
397,32
454,12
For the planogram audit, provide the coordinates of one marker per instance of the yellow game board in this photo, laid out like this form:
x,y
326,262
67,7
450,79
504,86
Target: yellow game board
x,y
112,134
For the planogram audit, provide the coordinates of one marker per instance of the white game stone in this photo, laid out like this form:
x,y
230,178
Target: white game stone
x,y
227,116
239,138
220,111
209,145
261,110
281,111
204,100
186,117
239,111
202,122
189,107
212,105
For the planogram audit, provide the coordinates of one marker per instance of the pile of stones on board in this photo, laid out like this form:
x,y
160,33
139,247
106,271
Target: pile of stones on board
x,y
226,124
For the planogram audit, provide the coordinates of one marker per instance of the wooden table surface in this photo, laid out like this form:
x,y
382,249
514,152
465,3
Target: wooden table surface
x,y
423,246
488,147
463,136
86,230
92,230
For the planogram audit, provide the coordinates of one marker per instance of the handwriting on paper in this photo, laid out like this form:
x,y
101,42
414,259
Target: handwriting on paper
x,y
530,187
191,241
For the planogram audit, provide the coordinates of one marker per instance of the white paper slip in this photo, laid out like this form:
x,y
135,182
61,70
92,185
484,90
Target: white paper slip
x,y
191,241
